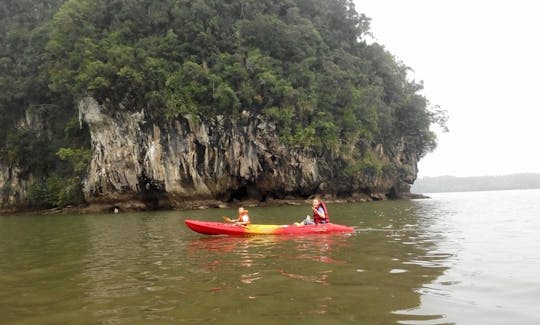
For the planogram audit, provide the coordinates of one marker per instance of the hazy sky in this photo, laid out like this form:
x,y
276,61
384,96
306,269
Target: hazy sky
x,y
480,61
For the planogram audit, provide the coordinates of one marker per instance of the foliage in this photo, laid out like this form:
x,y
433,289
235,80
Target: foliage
x,y
303,65
55,191
77,158
28,150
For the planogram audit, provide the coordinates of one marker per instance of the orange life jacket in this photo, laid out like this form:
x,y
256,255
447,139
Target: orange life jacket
x,y
243,213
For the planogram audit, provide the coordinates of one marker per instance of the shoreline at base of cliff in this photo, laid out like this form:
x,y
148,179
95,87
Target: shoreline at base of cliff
x,y
138,206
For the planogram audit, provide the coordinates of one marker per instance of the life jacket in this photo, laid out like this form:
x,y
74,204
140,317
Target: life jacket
x,y
244,213
316,216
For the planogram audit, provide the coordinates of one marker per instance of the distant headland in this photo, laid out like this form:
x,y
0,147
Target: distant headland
x,y
477,183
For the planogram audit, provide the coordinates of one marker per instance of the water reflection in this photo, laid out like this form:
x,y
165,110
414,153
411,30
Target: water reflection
x,y
155,268
435,252
150,267
406,243
223,251
131,268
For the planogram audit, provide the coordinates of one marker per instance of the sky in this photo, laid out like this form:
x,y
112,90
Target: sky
x,y
480,61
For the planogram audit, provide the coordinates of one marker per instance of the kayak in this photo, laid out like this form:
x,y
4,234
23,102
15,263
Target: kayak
x,y
220,228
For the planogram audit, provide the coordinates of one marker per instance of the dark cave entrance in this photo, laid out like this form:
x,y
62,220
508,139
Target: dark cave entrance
x,y
248,191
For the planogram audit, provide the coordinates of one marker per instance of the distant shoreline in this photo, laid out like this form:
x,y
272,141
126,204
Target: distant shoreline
x,y
440,184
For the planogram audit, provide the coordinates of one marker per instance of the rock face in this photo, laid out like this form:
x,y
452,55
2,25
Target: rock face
x,y
14,182
14,189
159,164
184,163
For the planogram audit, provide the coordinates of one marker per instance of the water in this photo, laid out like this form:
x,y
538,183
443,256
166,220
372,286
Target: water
x,y
463,258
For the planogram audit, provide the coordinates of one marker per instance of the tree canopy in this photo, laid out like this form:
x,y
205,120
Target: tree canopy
x,y
303,65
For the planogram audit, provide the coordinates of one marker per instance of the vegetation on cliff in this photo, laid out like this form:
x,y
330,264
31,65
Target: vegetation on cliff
x,y
303,65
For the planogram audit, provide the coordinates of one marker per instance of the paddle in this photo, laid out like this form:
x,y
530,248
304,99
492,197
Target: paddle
x,y
232,221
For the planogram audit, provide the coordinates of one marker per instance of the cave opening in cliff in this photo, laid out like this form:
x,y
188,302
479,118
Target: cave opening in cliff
x,y
392,193
153,193
245,192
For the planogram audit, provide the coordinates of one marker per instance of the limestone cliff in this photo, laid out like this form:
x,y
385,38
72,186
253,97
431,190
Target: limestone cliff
x,y
287,100
138,163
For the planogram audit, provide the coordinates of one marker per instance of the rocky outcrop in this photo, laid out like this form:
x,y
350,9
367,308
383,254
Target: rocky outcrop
x,y
140,163
13,188
15,183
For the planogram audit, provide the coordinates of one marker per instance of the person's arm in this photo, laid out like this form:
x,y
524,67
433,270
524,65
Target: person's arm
x,y
242,221
320,212
232,220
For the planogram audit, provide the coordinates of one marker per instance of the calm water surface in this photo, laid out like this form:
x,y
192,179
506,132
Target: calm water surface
x,y
463,258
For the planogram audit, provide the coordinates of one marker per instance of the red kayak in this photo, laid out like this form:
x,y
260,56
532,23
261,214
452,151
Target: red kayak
x,y
220,228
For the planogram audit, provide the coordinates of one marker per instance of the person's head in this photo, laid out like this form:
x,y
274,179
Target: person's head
x,y
241,210
315,202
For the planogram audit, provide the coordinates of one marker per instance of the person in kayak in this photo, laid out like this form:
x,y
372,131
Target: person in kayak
x,y
320,214
243,217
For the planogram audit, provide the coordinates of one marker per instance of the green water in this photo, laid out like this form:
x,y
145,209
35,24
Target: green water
x,y
406,263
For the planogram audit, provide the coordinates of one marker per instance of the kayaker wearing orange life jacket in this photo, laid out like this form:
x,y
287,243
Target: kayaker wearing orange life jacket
x,y
243,217
320,212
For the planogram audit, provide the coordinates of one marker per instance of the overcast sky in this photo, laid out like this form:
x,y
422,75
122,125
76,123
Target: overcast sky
x,y
479,60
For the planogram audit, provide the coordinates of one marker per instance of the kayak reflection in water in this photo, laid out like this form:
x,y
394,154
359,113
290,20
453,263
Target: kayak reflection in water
x,y
320,214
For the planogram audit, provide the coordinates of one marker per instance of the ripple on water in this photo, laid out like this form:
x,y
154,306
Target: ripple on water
x,y
397,271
